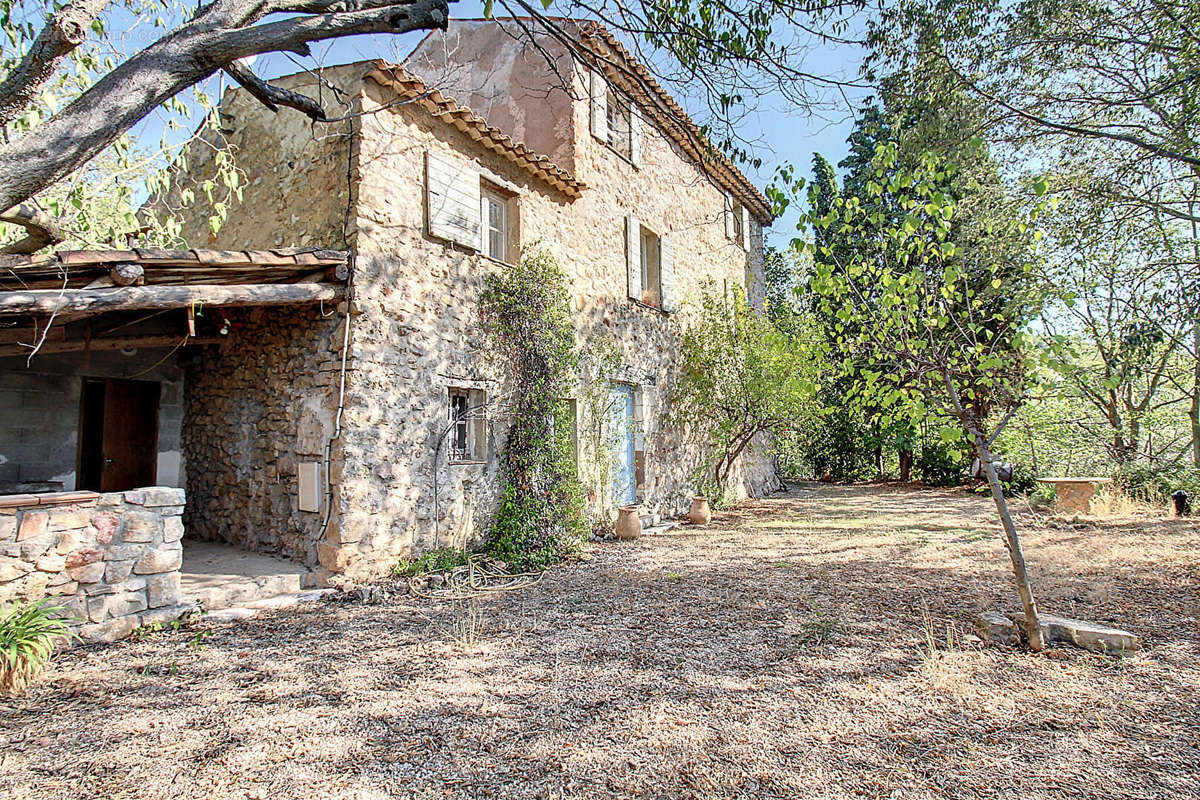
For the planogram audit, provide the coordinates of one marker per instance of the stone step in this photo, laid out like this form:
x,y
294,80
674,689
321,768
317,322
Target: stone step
x,y
239,591
254,607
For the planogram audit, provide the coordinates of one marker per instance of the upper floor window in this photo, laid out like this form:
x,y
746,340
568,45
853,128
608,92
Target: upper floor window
x,y
470,206
737,221
619,128
615,119
650,266
493,213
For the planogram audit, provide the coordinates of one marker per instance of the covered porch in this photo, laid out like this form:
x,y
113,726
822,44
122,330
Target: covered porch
x,y
98,352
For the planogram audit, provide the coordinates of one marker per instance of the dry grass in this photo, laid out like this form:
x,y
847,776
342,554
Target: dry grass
x,y
796,647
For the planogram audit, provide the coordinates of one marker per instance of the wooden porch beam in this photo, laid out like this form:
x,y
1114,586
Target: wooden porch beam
x,y
43,302
97,345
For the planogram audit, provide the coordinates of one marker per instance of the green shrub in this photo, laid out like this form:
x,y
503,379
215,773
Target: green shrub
x,y
941,463
1154,483
28,636
439,560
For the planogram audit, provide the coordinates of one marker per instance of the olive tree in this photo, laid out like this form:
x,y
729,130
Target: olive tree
x,y
743,378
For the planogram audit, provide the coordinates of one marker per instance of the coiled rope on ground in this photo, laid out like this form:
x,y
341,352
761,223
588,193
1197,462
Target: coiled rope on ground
x,y
476,577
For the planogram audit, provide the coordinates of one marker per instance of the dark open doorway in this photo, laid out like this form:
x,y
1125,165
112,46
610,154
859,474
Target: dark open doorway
x,y
118,434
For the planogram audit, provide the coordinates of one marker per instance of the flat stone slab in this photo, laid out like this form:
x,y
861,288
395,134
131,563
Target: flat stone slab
x,y
1088,635
997,629
1000,629
219,576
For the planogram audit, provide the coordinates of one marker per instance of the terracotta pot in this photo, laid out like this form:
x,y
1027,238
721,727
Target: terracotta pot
x,y
700,514
629,524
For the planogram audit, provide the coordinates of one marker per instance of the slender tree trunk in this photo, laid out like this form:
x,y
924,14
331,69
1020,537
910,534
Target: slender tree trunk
x,y
906,464
1033,628
1194,411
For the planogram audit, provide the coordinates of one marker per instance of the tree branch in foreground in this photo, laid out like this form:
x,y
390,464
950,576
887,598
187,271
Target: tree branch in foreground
x,y
273,96
62,33
42,229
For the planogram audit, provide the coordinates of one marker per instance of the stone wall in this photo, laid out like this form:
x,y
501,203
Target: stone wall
x,y
257,408
416,333
111,560
265,402
295,180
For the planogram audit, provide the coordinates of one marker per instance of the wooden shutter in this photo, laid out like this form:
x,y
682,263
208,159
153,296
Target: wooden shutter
x,y
745,227
633,257
729,229
635,135
452,195
670,290
599,95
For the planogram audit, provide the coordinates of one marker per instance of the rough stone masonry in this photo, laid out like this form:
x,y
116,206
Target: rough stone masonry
x,y
110,560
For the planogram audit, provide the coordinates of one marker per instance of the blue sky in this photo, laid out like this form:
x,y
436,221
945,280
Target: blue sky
x,y
777,133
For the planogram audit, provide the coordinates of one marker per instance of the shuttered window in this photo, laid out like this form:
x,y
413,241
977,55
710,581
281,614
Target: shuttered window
x,y
493,214
619,126
615,119
598,91
650,266
452,198
737,221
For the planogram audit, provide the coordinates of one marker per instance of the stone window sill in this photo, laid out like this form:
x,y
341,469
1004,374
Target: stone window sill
x,y
467,463
649,307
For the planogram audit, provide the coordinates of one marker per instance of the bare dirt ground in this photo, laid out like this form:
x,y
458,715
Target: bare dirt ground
x,y
780,652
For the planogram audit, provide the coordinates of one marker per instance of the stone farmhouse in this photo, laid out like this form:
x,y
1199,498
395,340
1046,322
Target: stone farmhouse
x,y
314,384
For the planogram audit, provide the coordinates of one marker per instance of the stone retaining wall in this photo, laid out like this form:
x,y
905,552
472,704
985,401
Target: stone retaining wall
x,y
112,560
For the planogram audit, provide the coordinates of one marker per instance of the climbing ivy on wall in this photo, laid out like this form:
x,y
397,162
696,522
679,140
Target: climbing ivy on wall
x,y
527,320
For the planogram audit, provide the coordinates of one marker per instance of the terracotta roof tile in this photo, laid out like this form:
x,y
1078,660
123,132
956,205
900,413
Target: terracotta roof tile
x,y
439,105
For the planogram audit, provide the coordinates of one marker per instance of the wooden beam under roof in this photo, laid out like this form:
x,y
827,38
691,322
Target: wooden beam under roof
x,y
44,302
107,344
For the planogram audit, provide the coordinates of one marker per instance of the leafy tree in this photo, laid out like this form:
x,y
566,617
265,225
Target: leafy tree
x,y
1121,316
1113,78
937,341
742,378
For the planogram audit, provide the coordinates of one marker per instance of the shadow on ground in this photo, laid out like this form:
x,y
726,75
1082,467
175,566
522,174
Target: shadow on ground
x,y
813,645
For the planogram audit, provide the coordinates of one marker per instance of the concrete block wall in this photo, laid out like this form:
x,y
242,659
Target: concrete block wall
x,y
110,560
40,414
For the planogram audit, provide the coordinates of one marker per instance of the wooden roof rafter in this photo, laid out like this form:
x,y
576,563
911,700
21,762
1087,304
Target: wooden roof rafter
x,y
170,267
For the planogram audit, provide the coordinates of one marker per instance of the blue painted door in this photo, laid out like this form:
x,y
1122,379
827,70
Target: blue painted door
x,y
624,481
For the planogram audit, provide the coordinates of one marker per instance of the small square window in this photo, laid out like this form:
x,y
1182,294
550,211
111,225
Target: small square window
x,y
620,129
466,440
